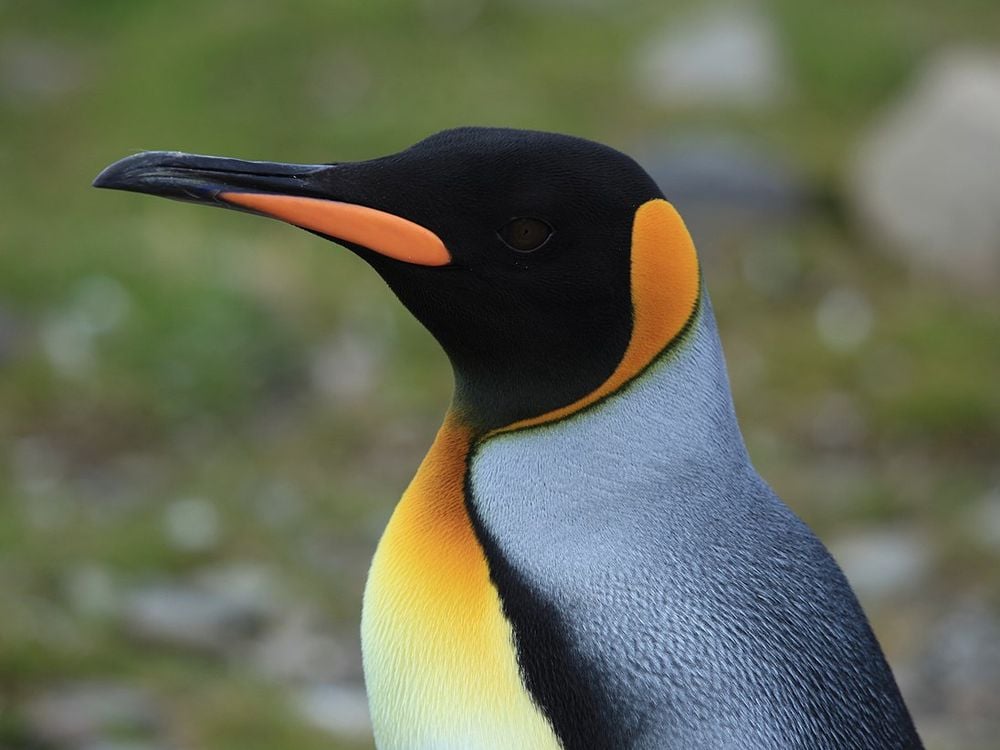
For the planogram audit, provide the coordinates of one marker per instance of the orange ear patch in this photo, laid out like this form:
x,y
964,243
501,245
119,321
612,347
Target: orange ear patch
x,y
385,233
665,281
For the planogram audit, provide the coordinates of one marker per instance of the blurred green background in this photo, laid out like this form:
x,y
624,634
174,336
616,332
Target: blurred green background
x,y
205,419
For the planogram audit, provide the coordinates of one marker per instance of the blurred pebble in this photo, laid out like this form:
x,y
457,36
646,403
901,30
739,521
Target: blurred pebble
x,y
249,587
720,57
102,302
68,342
136,479
78,714
960,670
185,616
927,176
341,710
347,368
844,319
191,524
98,304
38,71
882,563
340,81
297,650
91,590
36,465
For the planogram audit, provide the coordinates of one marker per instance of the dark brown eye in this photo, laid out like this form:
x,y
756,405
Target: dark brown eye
x,y
525,235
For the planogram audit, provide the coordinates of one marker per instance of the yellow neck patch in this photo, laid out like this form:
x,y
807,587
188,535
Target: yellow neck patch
x,y
665,284
440,664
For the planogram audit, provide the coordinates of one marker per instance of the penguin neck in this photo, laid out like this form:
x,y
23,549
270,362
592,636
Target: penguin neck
x,y
694,412
684,398
503,377
491,398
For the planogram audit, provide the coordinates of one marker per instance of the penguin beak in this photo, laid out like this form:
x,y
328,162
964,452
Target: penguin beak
x,y
298,194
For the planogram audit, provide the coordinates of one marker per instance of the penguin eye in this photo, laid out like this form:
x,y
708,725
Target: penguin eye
x,y
525,235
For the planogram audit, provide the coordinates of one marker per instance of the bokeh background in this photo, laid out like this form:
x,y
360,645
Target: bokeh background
x,y
205,419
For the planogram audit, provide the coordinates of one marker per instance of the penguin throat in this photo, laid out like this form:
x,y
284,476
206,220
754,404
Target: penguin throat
x,y
489,398
439,659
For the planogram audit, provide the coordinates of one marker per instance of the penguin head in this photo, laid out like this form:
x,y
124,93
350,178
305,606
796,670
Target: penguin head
x,y
514,248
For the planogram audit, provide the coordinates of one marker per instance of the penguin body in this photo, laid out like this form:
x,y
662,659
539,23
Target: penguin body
x,y
697,610
586,557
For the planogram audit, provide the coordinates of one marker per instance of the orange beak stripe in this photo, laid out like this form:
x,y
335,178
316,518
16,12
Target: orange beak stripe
x,y
385,233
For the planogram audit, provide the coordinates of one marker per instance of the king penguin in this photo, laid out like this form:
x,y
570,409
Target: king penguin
x,y
586,558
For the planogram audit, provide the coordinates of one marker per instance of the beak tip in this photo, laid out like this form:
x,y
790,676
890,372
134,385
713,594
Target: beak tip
x,y
106,178
120,175
157,173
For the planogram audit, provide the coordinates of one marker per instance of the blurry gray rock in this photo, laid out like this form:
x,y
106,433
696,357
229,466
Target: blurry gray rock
x,y
298,650
341,710
347,369
70,334
37,466
720,57
959,672
220,613
339,81
723,185
881,563
79,714
844,319
249,587
926,178
39,71
101,303
191,524
91,590
68,344
187,618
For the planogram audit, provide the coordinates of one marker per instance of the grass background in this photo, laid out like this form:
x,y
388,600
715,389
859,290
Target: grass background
x,y
198,377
